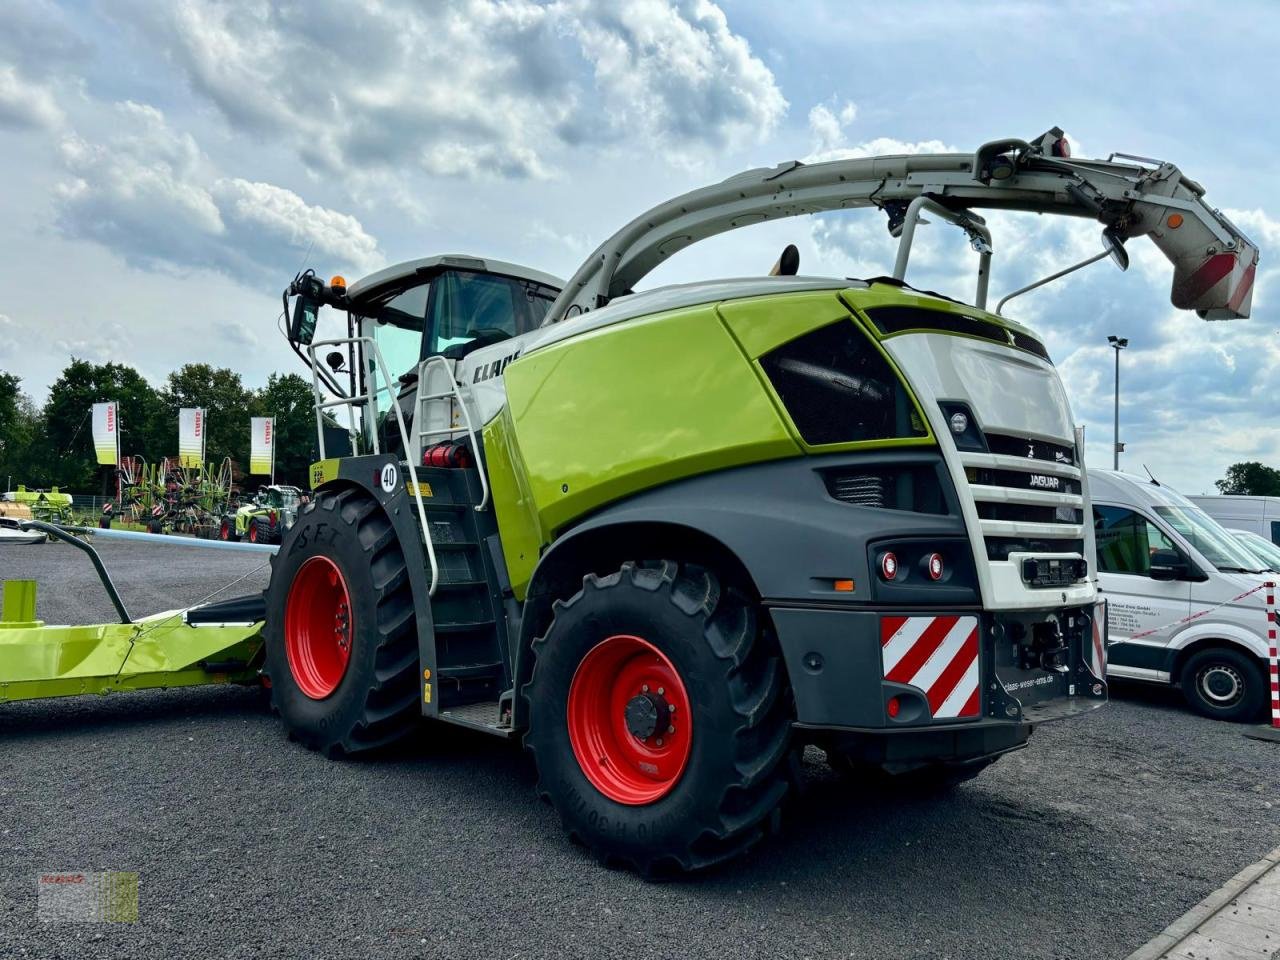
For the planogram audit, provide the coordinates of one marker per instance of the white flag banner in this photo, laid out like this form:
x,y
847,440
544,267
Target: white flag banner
x,y
106,433
191,428
262,445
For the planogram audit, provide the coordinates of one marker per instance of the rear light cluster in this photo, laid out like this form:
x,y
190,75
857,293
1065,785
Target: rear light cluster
x,y
932,566
449,453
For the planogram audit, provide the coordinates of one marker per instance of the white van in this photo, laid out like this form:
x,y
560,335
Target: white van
x,y
1162,559
1260,515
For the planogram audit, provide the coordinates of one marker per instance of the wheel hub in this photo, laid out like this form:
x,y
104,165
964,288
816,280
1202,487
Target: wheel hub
x,y
647,714
630,721
318,627
1220,684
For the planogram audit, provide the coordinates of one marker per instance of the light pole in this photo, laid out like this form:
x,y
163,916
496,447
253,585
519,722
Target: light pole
x,y
1117,344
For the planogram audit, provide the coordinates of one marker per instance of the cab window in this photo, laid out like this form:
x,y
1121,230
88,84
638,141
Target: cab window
x,y
397,328
470,310
1126,540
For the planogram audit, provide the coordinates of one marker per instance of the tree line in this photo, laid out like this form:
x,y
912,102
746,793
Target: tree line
x,y
52,445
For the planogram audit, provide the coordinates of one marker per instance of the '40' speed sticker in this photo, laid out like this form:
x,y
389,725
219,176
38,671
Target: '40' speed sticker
x,y
388,478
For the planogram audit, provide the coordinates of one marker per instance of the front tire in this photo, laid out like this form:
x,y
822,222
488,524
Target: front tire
x,y
1224,684
632,778
342,646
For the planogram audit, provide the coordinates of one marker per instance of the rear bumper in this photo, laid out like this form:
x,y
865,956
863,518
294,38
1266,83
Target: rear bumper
x,y
836,668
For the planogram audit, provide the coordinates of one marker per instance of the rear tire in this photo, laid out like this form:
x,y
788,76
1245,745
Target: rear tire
x,y
709,793
373,697
253,534
1224,684
227,532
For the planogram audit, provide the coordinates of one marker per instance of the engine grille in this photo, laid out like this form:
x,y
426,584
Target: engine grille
x,y
1028,495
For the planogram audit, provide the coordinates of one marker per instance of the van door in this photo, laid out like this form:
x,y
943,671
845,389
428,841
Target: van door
x,y
1136,603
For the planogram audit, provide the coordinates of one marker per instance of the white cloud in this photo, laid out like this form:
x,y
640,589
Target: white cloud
x,y
24,104
676,73
149,194
472,88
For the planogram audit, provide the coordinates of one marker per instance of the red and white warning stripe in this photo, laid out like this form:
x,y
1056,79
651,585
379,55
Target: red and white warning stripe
x,y
1096,655
1197,615
1273,655
937,654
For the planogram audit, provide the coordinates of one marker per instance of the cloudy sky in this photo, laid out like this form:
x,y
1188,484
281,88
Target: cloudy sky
x,y
168,166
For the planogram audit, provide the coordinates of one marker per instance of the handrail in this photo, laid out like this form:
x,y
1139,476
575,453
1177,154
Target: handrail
x,y
454,392
370,399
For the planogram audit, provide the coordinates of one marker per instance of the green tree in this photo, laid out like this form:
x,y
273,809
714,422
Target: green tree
x,y
289,399
68,430
220,392
19,427
1250,478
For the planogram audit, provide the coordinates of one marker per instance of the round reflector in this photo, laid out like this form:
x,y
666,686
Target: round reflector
x,y
935,566
889,565
893,707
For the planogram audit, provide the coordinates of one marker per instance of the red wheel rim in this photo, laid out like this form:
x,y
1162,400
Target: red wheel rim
x,y
224,531
623,688
253,533
318,627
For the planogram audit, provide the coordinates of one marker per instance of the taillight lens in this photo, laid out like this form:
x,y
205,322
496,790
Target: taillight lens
x,y
934,566
889,565
893,707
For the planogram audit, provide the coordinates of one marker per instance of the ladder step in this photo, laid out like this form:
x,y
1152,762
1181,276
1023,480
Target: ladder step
x,y
454,544
465,627
463,671
486,717
460,584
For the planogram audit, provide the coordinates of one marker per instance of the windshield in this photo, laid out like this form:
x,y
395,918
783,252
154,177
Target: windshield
x,y
1260,547
1205,534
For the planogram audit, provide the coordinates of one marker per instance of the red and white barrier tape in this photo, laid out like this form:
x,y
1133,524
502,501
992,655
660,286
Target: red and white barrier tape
x,y
1199,613
1272,655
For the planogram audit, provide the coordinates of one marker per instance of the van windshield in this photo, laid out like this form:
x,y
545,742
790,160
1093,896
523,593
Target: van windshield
x,y
1260,547
1205,534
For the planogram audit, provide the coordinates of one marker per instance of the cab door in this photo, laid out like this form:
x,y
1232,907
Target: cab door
x,y
1136,602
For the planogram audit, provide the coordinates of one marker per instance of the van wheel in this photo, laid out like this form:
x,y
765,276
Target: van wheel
x,y
1224,684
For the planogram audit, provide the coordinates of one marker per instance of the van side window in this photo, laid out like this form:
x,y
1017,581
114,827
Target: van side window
x,y
1275,531
1126,541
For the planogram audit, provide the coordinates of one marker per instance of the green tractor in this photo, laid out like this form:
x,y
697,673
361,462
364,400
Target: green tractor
x,y
265,518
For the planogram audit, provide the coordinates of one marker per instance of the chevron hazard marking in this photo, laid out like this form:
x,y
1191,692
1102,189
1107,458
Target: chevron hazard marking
x,y
938,655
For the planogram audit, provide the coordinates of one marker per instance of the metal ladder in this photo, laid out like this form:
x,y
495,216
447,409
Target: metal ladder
x,y
369,402
452,395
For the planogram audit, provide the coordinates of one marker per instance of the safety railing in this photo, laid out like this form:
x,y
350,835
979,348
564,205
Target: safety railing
x,y
453,395
369,402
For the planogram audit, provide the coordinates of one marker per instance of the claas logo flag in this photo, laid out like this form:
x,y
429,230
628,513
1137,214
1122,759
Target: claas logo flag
x,y
106,433
262,445
191,428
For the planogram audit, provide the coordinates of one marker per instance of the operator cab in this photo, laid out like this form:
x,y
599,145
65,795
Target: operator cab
x,y
447,306
444,306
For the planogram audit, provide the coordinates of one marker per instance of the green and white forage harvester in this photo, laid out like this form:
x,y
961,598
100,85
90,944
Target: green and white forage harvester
x,y
668,537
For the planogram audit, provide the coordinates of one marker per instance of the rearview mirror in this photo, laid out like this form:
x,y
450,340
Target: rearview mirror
x,y
1168,565
1114,245
302,326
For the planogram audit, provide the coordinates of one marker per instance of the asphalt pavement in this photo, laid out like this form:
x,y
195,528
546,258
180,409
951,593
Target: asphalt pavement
x,y
1086,844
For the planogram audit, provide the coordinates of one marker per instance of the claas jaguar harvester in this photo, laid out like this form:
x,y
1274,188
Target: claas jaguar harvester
x,y
669,537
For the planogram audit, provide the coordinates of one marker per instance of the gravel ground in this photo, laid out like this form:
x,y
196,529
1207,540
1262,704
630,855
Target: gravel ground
x,y
1084,845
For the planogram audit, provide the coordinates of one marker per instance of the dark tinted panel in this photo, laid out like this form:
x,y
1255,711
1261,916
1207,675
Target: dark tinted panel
x,y
838,388
899,319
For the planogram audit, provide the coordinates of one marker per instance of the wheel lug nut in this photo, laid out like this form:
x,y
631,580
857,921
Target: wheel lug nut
x,y
659,741
671,729
644,688
661,691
